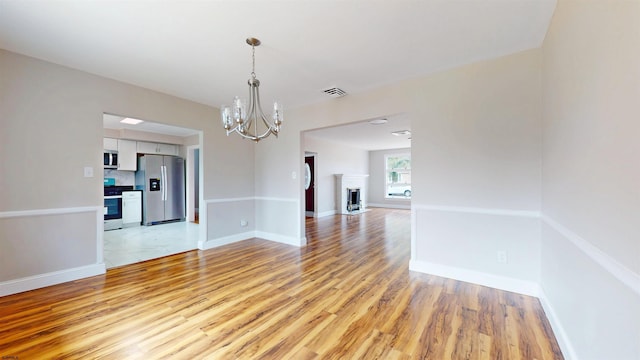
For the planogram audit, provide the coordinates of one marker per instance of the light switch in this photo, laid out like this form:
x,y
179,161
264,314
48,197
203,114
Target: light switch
x,y
294,175
88,171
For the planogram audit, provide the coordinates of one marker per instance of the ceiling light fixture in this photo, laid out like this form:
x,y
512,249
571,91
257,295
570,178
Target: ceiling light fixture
x,y
246,122
378,121
401,132
131,121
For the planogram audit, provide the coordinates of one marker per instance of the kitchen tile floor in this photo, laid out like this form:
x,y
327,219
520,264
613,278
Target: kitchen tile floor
x,y
140,243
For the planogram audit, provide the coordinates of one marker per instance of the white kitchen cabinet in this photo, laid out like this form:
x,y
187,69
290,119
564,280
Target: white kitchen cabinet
x,y
147,147
110,144
127,155
131,208
168,149
157,148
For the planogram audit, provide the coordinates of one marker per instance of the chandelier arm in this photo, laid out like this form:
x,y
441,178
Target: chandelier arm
x,y
257,110
269,127
264,118
250,137
250,110
253,137
233,130
258,137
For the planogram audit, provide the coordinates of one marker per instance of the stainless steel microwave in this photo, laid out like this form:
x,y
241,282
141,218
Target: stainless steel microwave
x,y
110,159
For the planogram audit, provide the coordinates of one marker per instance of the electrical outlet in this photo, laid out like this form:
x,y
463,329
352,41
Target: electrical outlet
x,y
88,171
502,257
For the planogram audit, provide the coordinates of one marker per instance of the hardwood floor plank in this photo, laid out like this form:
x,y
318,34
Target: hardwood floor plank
x,y
347,294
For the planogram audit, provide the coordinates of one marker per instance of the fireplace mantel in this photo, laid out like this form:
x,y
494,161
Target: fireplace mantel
x,y
350,181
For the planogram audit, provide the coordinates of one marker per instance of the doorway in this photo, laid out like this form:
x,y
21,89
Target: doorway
x,y
352,148
193,184
309,185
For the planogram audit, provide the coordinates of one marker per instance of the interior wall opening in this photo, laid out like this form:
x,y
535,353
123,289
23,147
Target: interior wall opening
x,y
348,150
152,186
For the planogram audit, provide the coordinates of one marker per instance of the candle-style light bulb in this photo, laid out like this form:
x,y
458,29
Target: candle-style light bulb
x,y
277,114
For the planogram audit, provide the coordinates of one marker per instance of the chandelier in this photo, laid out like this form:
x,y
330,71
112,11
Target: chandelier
x,y
236,118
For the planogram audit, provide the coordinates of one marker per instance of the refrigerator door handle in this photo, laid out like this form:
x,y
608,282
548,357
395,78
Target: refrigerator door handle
x,y
163,174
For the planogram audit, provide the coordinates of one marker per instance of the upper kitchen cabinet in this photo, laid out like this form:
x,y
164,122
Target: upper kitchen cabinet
x,y
127,156
157,148
110,144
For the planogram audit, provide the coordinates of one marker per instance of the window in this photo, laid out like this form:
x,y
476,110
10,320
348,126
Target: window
x,y
398,184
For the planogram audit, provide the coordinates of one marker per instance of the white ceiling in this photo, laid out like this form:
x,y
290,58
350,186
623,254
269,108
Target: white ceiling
x,y
196,49
113,122
364,135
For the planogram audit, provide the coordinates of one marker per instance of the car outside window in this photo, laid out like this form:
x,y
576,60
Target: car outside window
x,y
398,183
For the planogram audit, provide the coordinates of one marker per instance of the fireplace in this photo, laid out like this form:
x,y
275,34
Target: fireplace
x,y
351,193
353,199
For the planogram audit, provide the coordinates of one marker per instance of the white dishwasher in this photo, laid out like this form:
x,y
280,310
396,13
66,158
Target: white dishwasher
x,y
132,208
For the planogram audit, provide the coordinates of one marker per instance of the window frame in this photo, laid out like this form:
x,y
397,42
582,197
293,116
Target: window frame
x,y
388,170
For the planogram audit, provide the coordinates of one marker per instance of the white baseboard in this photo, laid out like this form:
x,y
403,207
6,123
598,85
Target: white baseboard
x,y
319,215
289,240
214,243
52,278
494,281
327,213
390,206
567,349
356,212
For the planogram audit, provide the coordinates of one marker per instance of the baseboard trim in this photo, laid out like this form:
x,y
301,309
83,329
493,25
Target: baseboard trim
x,y
214,243
476,277
568,352
53,278
327,213
390,206
225,240
289,240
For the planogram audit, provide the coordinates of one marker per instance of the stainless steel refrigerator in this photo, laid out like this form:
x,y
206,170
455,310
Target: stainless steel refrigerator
x,y
161,179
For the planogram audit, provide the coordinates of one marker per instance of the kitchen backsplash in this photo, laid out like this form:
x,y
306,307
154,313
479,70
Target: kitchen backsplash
x,y
122,177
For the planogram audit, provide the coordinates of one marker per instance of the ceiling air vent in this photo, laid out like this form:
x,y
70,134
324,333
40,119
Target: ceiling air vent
x,y
334,92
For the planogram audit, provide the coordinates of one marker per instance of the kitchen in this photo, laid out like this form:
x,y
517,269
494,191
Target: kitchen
x,y
151,190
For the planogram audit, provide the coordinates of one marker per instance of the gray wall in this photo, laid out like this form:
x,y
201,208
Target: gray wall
x,y
51,129
591,176
476,150
477,146
476,142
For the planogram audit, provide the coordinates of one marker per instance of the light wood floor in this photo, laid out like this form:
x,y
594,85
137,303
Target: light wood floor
x,y
346,295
